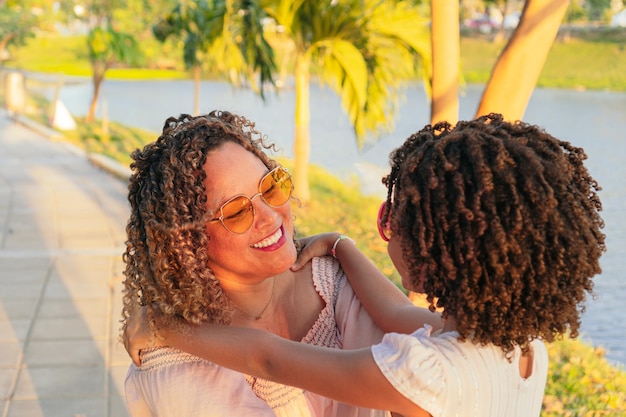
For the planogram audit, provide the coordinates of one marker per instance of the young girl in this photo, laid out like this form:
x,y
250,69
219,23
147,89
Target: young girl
x,y
498,224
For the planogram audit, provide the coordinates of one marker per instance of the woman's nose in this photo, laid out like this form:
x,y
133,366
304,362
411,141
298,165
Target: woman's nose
x,y
263,213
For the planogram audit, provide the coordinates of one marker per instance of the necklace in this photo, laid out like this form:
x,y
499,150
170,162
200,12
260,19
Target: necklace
x,y
258,316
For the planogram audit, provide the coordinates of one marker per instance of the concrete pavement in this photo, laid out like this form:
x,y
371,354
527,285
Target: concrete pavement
x,y
62,234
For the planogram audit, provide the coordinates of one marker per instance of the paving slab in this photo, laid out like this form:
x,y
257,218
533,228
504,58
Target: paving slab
x,y
62,232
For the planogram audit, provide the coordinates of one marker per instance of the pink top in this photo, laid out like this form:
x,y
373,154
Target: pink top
x,y
173,383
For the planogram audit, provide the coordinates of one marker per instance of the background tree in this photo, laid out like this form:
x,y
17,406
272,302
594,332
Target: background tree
x,y
575,13
137,17
517,70
597,9
186,21
225,37
364,50
17,24
106,48
446,53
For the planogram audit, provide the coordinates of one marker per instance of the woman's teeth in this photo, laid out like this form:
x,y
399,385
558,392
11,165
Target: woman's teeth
x,y
269,241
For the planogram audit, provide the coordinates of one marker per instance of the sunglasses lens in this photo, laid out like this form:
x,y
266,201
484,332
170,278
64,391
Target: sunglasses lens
x,y
384,227
238,214
276,187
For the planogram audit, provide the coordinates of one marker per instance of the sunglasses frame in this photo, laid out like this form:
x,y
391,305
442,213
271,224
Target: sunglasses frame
x,y
379,220
259,194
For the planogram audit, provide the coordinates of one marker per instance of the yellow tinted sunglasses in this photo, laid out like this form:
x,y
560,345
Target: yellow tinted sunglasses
x,y
237,214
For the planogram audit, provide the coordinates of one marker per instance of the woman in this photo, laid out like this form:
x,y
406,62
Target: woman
x,y
210,240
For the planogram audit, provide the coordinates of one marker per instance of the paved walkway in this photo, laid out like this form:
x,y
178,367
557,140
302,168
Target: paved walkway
x,y
61,238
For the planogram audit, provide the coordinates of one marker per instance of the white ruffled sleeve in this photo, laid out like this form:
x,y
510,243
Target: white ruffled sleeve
x,y
411,364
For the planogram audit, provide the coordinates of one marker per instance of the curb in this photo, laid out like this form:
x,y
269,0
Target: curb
x,y
110,165
100,161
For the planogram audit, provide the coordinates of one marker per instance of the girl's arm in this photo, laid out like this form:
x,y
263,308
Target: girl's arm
x,y
390,309
350,376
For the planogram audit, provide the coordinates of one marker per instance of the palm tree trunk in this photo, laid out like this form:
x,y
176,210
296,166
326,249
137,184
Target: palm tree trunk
x,y
302,141
517,70
445,41
196,89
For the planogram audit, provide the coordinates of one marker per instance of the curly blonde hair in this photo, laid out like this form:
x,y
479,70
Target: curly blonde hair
x,y
500,224
166,251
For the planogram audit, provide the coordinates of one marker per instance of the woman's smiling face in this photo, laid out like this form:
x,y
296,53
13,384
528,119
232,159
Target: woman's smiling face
x,y
267,248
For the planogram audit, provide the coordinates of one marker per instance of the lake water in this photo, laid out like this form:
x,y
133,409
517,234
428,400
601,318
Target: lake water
x,y
595,121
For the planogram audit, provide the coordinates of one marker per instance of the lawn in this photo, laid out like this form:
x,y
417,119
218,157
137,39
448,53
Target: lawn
x,y
587,60
595,61
69,56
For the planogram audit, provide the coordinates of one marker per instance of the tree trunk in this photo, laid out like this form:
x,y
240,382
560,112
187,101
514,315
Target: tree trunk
x,y
196,89
5,40
445,41
302,141
517,70
98,77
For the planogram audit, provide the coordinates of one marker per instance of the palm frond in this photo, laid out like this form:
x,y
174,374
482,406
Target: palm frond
x,y
368,56
224,36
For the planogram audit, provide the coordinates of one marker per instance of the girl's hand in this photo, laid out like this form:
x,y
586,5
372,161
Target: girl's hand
x,y
138,335
312,246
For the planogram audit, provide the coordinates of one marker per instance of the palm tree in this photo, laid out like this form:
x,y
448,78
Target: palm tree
x,y
365,50
444,103
515,74
517,70
225,37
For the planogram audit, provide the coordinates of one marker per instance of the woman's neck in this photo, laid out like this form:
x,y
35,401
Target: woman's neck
x,y
251,301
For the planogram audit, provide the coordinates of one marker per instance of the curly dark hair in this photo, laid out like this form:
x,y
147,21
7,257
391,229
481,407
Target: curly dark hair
x,y
166,251
500,223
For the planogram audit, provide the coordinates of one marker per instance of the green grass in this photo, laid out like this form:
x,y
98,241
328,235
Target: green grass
x,y
589,60
115,140
69,56
341,206
582,382
596,64
606,73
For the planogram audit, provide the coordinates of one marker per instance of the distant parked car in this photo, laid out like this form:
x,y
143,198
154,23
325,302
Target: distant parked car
x,y
511,20
484,24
